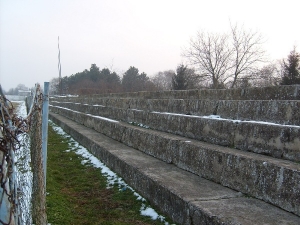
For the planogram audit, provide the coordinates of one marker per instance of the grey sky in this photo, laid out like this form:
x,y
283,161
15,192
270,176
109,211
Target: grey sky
x,y
147,34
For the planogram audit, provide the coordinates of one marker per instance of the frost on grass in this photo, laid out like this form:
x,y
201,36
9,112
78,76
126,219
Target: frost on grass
x,y
23,172
112,178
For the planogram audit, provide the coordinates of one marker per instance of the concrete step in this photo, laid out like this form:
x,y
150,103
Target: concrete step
x,y
289,92
276,140
273,180
276,111
185,197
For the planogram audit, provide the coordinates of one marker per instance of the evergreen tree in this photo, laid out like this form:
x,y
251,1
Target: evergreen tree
x,y
180,79
130,79
94,72
291,69
105,74
134,81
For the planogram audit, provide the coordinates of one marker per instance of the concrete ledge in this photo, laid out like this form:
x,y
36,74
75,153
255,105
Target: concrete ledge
x,y
278,141
256,175
288,92
277,111
184,197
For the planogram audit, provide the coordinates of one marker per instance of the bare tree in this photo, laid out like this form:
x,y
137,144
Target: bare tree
x,y
223,58
268,75
54,86
163,80
247,51
210,54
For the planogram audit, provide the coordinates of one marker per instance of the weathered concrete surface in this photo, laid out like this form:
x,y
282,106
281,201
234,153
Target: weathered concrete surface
x,y
177,129
277,111
256,175
237,211
288,92
276,140
183,196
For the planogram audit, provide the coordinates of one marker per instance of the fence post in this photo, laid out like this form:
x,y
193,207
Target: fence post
x,y
45,126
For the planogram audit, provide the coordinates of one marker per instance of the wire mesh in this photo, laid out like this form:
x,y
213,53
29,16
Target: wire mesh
x,y
10,127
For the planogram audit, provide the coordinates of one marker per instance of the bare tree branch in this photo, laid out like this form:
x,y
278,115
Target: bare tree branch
x,y
248,51
210,54
224,57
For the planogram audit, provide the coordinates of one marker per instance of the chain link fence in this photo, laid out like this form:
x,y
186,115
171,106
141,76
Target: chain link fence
x,y
12,126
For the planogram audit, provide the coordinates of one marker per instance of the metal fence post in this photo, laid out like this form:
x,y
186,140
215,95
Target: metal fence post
x,y
45,126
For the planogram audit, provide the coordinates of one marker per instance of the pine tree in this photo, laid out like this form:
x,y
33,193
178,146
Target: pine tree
x,y
291,69
180,80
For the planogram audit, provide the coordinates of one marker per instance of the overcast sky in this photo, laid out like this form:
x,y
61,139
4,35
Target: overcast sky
x,y
117,34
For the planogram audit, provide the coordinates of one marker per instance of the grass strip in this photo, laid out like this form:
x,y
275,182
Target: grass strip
x,y
77,193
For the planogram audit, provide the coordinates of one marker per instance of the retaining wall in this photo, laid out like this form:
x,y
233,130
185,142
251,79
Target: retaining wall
x,y
277,140
258,158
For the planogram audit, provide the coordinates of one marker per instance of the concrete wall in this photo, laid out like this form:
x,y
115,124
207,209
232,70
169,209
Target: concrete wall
x,y
280,141
289,92
225,166
259,158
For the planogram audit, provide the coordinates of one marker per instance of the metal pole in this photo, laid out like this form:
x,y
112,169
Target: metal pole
x,y
59,70
45,126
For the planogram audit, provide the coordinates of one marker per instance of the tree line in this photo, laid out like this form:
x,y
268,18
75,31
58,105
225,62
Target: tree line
x,y
15,91
95,81
213,60
237,59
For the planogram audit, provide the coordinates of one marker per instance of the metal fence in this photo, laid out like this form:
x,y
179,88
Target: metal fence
x,y
10,127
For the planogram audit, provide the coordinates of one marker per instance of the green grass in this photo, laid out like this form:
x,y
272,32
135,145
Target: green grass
x,y
78,194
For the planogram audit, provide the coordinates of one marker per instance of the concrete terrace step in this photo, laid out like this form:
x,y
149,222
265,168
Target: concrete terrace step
x,y
289,92
276,111
272,180
280,141
185,197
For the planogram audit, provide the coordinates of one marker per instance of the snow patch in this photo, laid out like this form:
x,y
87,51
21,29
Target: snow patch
x,y
99,105
112,178
23,171
217,117
103,118
99,117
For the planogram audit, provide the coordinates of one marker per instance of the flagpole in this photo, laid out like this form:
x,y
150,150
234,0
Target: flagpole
x,y
59,70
